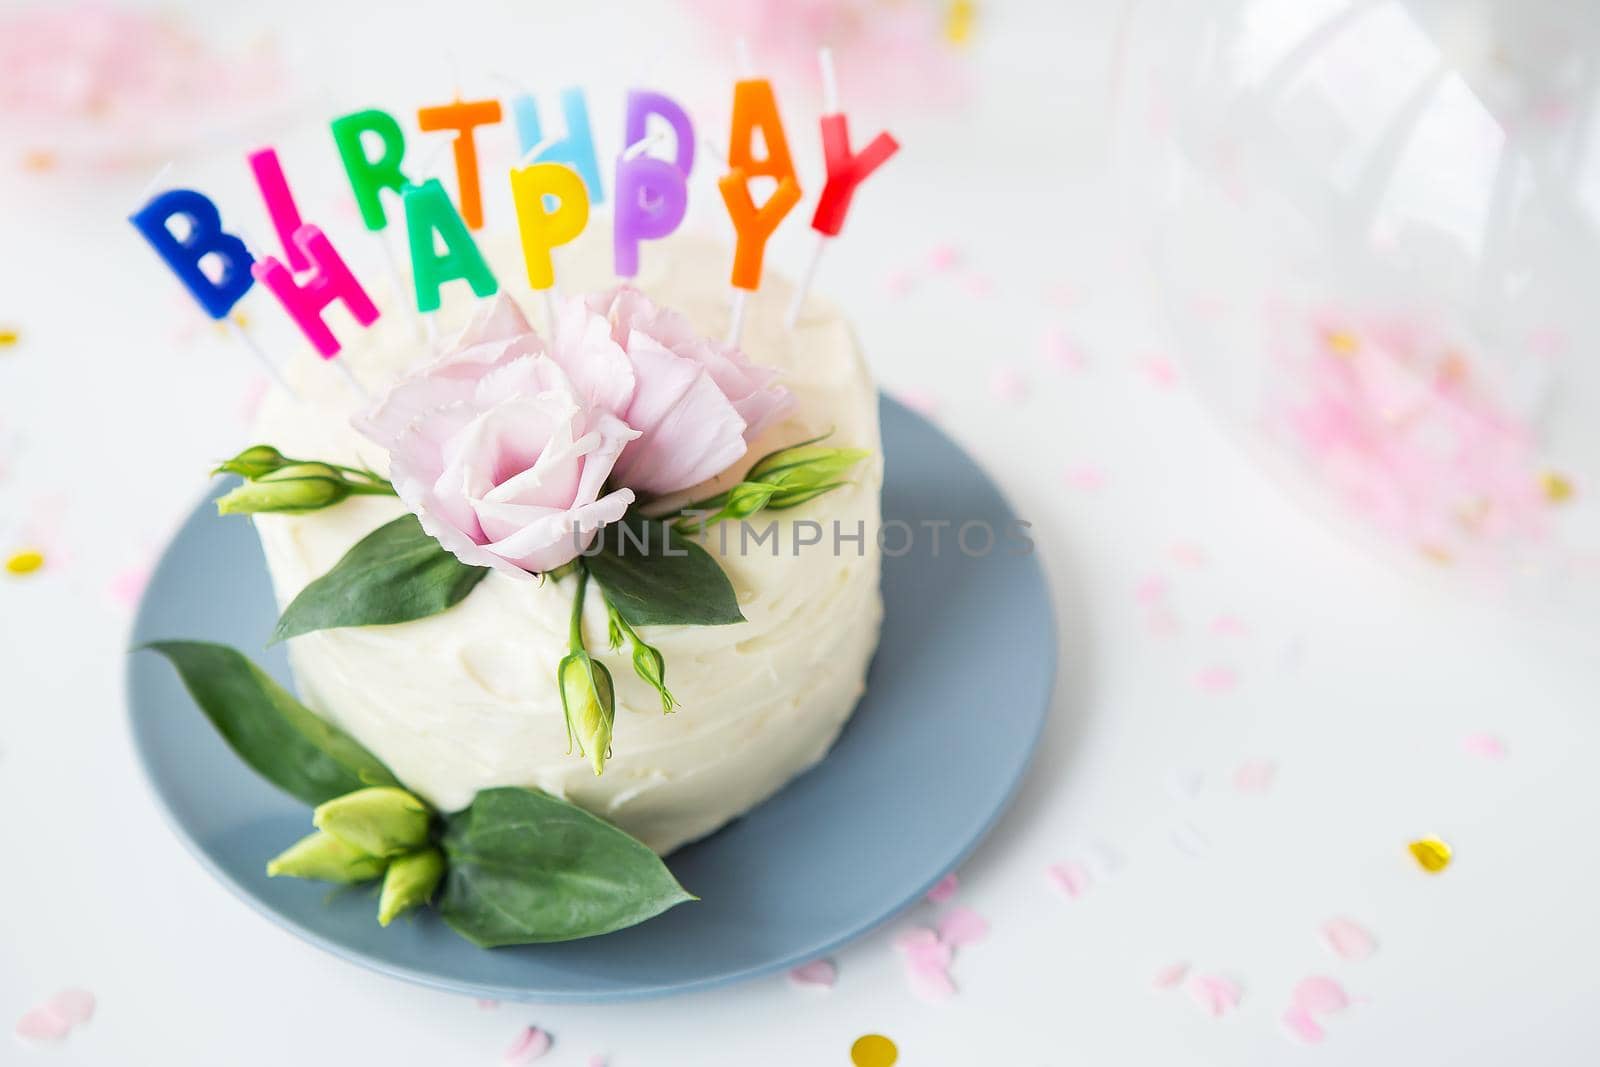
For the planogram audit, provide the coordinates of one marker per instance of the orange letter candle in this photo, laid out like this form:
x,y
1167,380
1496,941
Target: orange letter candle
x,y
755,108
753,225
464,116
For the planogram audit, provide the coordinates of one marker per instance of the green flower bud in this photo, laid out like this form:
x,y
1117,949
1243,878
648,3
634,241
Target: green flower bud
x,y
410,881
325,858
380,821
649,665
807,462
296,487
589,704
253,462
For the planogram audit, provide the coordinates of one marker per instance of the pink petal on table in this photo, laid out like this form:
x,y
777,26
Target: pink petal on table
x,y
1347,939
1254,776
1086,477
1188,554
1062,351
126,586
76,1006
1216,994
1161,373
916,939
1169,976
43,1024
923,401
899,282
1216,679
1300,1023
1070,878
1006,384
1320,995
928,981
819,973
944,257
1228,626
597,1060
529,1046
962,926
1153,590
1486,745
945,890
488,1005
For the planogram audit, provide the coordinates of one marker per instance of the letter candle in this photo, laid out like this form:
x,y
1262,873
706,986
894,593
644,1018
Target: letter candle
x,y
846,171
651,198
754,108
464,117
576,149
541,229
369,177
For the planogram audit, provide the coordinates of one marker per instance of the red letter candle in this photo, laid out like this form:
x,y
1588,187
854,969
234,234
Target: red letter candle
x,y
845,172
464,116
305,303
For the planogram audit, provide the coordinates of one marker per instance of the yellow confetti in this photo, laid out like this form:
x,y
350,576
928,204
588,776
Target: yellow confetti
x,y
1431,854
25,562
1437,554
1558,489
9,336
1342,342
958,21
873,1050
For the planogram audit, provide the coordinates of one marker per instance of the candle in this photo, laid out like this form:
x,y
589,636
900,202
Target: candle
x,y
369,177
652,196
542,229
576,149
846,171
755,108
464,117
206,237
644,103
752,225
306,302
285,214
429,214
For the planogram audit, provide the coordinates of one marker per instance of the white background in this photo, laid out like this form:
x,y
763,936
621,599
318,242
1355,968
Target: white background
x,y
1357,678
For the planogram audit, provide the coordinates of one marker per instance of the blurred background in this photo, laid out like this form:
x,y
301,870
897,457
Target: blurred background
x,y
1270,315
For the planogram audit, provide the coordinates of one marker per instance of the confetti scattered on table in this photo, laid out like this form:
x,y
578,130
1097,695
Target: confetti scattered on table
x,y
962,926
899,282
1431,854
597,1060
1348,939
1161,372
1557,488
529,1046
1313,997
488,1005
944,257
1488,746
1215,994
1008,385
126,586
25,561
1254,776
945,890
1228,626
1170,976
1188,554
927,961
58,1016
1070,878
1086,477
922,401
1217,679
9,336
818,974
873,1050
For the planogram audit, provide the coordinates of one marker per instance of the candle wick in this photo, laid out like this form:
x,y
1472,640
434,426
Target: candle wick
x,y
830,82
639,147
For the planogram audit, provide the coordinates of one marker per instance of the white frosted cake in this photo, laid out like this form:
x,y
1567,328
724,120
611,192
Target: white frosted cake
x,y
468,698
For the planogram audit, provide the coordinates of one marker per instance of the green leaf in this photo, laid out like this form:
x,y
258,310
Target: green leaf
x,y
396,573
671,580
280,738
526,868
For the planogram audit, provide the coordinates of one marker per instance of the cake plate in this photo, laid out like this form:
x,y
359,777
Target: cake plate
x,y
955,702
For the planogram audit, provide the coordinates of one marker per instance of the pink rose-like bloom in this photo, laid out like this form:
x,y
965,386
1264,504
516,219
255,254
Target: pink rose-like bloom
x,y
696,403
497,452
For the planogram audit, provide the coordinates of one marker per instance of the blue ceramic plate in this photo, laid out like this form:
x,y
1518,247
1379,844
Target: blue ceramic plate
x,y
955,701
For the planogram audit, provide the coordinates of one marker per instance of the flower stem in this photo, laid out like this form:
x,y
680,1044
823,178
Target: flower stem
x,y
575,640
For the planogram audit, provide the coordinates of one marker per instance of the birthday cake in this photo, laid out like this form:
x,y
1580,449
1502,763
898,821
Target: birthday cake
x,y
469,699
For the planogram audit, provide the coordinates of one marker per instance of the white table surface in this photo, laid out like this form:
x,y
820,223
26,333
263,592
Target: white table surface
x,y
1356,679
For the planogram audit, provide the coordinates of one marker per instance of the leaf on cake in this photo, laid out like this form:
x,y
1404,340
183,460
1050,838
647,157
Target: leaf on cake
x,y
655,577
397,573
281,739
527,868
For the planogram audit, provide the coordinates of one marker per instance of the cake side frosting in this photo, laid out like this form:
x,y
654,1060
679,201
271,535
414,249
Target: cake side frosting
x,y
467,699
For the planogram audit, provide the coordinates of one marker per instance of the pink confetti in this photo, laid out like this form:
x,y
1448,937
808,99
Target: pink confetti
x,y
1217,679
1087,477
1161,373
529,1046
56,1017
1070,878
597,1060
922,401
979,285
1347,939
1062,295
821,974
1188,554
1486,745
1170,976
945,891
1300,1023
1216,994
1007,385
1255,776
488,1005
1152,590
931,983
1062,351
1320,995
944,257
127,586
1228,626
74,1005
899,283
962,926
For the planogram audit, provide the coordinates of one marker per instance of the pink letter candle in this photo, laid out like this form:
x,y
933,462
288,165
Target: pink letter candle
x,y
332,281
280,204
